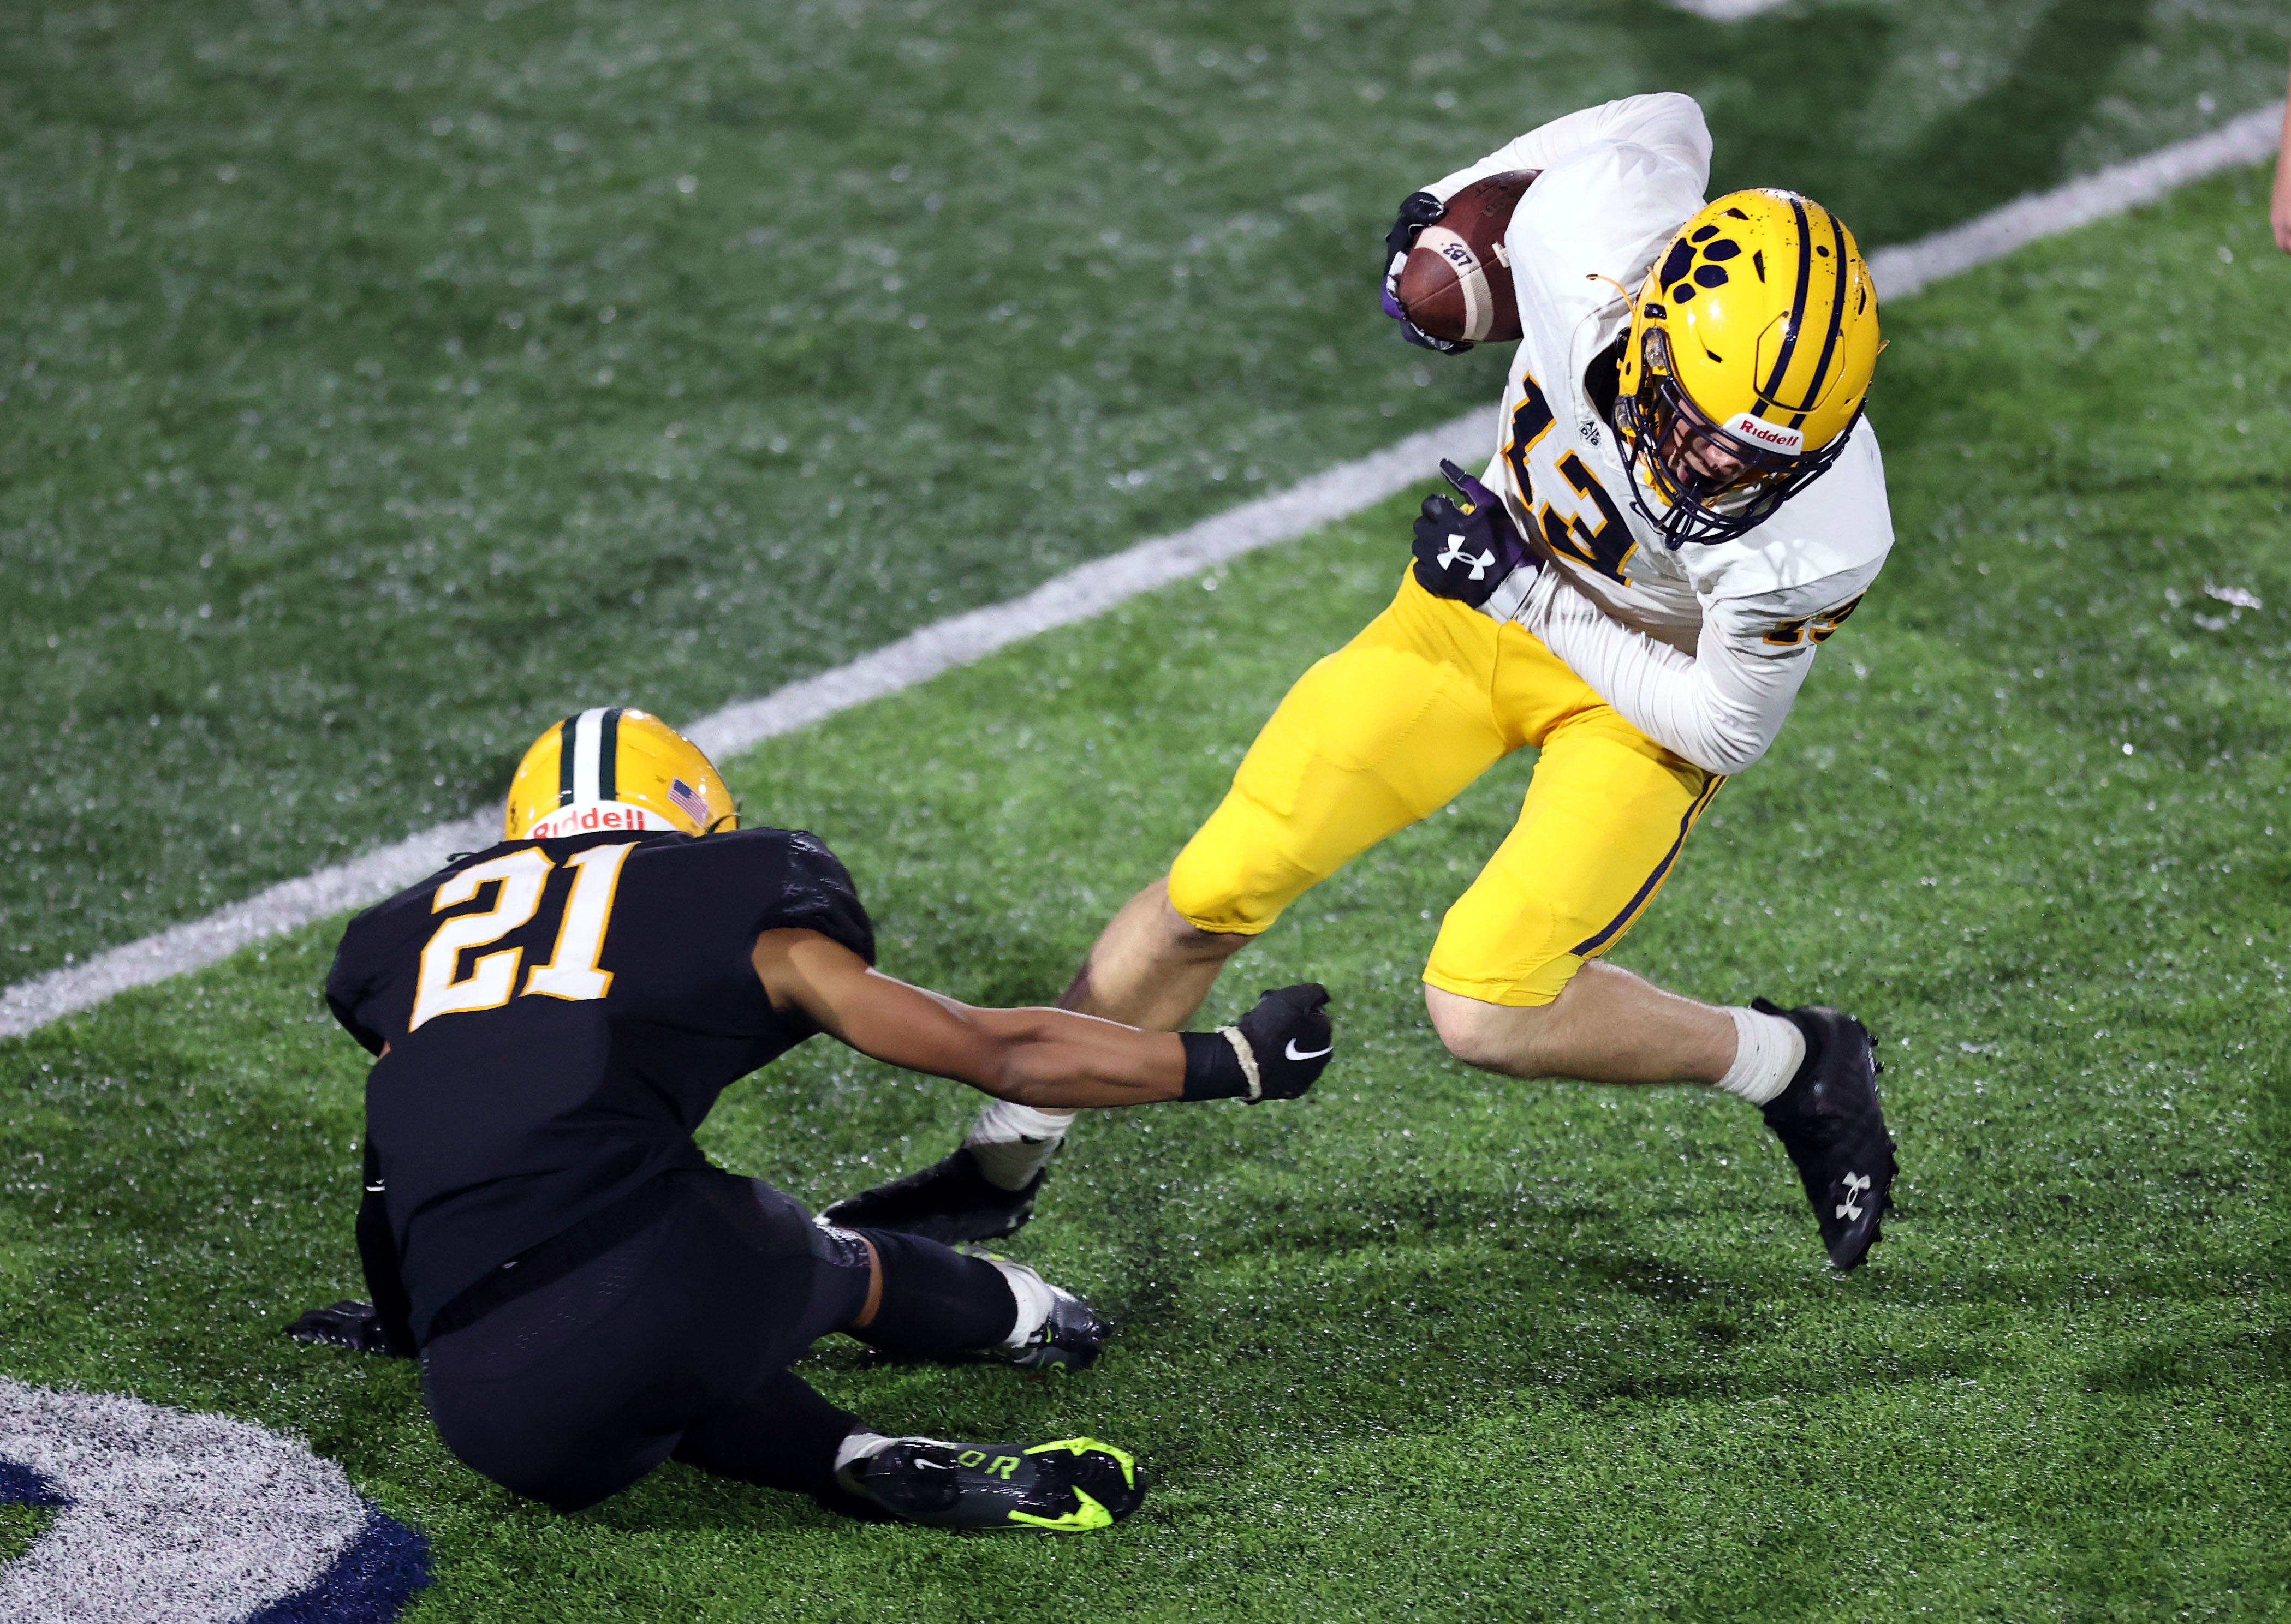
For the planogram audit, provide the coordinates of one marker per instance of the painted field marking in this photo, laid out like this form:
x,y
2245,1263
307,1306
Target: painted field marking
x,y
1909,269
170,1516
1727,11
1083,592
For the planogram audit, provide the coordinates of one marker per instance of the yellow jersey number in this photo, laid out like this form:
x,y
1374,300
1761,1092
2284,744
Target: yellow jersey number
x,y
1816,627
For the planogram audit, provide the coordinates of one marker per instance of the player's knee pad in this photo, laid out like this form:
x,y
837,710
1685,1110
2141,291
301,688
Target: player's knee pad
x,y
1232,878
936,1301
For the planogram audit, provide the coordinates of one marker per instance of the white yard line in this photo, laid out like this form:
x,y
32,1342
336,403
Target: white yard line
x,y
1078,595
1909,268
1727,11
1086,591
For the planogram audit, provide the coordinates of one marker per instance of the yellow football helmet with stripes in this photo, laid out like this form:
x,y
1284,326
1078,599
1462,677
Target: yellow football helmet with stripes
x,y
614,769
1751,348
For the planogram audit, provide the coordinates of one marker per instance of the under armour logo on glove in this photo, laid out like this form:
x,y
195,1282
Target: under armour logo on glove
x,y
1455,554
1464,550
1853,1186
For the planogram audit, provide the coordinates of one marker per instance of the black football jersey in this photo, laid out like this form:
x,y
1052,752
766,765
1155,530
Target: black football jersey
x,y
560,1015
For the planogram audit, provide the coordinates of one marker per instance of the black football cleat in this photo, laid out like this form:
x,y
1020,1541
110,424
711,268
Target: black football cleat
x,y
1069,1336
949,1201
353,1325
1072,1485
1830,1122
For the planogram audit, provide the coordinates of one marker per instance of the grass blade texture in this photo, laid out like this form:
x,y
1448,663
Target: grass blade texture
x,y
1431,1344
379,382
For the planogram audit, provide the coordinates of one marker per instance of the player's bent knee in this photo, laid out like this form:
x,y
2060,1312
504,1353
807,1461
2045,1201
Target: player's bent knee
x,y
1196,942
1201,927
1505,1038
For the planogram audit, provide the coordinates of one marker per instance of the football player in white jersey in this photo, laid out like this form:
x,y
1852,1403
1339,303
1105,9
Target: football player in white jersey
x,y
1684,503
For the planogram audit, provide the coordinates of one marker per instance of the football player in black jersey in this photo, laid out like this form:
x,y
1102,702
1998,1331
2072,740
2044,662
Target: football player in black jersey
x,y
553,1018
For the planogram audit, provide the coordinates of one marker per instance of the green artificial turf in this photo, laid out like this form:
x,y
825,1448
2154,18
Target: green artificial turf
x,y
1431,1344
380,381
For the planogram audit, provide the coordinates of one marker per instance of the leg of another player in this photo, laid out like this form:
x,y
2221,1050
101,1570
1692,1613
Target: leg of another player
x,y
1148,967
1610,1025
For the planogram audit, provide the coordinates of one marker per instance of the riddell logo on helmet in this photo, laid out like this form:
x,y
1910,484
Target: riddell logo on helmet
x,y
1748,426
594,816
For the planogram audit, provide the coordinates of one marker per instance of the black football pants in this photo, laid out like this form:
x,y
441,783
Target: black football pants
x,y
674,1343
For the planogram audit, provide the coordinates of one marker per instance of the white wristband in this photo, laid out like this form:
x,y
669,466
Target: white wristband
x,y
1231,1035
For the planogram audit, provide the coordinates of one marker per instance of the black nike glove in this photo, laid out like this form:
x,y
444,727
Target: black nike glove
x,y
1277,1051
354,1326
1417,210
1463,552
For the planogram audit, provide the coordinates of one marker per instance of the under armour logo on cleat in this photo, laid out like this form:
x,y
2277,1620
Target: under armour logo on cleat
x,y
1455,554
1855,1184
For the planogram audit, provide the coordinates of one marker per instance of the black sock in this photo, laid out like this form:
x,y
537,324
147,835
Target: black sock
x,y
936,1301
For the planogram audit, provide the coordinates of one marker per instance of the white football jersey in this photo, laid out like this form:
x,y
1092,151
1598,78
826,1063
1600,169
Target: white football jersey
x,y
1618,183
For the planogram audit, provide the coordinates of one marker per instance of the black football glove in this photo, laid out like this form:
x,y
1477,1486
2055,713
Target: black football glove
x,y
1463,552
354,1326
1417,210
1287,1040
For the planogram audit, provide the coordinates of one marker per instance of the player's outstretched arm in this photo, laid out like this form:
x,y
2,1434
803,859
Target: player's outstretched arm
x,y
1045,1057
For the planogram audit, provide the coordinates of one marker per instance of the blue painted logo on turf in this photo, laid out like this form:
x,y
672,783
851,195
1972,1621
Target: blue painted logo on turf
x,y
168,1515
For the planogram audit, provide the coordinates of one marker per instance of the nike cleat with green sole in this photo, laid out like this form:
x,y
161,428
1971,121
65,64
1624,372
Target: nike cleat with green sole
x,y
1070,1485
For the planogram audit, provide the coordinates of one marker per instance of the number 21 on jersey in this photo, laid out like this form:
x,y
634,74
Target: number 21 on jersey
x,y
523,877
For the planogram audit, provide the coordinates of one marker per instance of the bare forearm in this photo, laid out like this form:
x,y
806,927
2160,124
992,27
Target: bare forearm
x,y
1038,1057
1056,1058
1049,1059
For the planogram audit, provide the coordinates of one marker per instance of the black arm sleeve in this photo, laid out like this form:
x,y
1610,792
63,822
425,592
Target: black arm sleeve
x,y
378,1253
821,897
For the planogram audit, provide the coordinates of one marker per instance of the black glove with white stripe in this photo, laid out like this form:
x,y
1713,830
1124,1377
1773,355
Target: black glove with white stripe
x,y
1464,551
1277,1051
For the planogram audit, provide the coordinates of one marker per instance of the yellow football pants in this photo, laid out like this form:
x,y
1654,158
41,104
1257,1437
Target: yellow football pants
x,y
1392,727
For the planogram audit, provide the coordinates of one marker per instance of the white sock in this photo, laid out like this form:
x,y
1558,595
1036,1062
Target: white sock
x,y
1034,1296
858,1445
1768,1051
1012,1141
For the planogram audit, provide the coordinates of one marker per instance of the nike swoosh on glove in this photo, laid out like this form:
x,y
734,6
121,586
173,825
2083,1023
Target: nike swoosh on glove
x,y
1291,1036
1463,551
1417,210
1277,1052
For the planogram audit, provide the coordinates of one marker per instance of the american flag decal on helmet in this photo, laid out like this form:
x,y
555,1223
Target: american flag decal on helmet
x,y
695,805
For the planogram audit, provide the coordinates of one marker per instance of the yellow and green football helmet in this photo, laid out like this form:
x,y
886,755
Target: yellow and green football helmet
x,y
1751,346
614,769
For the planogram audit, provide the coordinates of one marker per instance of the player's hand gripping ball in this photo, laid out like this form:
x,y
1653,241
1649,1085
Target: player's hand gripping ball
x,y
1447,277
1464,551
1289,1033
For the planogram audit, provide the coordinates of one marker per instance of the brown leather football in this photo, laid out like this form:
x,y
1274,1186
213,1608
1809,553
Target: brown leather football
x,y
1457,284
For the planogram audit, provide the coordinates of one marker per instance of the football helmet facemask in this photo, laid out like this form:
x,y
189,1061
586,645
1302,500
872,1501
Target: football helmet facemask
x,y
614,769
1750,351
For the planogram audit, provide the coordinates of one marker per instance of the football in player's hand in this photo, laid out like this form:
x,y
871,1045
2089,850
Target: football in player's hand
x,y
1457,283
